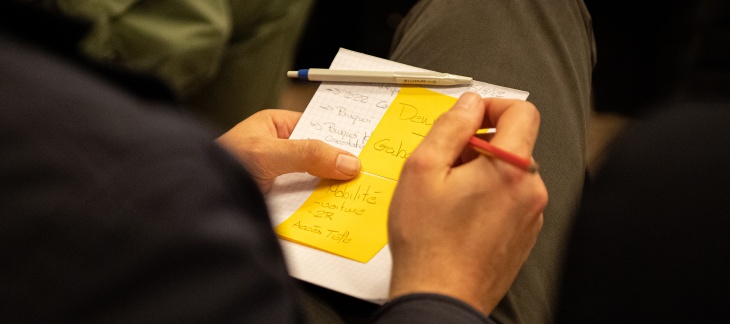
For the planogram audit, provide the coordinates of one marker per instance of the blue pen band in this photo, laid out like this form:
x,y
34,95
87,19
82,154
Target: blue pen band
x,y
303,74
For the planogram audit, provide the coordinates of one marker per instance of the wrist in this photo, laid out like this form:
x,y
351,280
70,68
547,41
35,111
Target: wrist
x,y
432,308
474,290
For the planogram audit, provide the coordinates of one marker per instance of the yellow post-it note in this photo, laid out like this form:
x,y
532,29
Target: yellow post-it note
x,y
402,128
348,219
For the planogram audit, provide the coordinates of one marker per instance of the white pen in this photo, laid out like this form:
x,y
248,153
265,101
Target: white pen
x,y
422,78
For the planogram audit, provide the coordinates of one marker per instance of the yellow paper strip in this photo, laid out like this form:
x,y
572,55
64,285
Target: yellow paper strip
x,y
348,219
402,128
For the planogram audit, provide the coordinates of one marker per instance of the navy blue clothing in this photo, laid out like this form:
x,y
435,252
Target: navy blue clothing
x,y
116,209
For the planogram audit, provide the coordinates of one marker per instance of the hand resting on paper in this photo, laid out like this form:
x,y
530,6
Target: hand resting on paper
x,y
261,144
462,224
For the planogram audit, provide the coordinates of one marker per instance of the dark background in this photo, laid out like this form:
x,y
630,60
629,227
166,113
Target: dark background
x,y
365,26
649,52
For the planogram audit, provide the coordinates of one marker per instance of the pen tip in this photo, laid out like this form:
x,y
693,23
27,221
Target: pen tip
x,y
292,74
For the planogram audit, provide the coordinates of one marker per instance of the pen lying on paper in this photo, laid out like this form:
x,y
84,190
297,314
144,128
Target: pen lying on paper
x,y
422,78
486,148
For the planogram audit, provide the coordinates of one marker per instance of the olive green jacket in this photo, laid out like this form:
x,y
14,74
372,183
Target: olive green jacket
x,y
225,58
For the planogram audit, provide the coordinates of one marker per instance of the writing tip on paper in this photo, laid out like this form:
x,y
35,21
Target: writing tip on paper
x,y
483,131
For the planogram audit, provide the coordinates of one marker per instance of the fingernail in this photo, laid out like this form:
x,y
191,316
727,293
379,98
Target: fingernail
x,y
467,100
348,165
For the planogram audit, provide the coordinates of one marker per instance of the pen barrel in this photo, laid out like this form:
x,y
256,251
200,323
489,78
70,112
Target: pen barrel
x,y
326,75
488,149
416,78
424,78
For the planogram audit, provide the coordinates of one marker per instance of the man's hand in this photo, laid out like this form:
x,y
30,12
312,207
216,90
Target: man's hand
x,y
462,224
261,144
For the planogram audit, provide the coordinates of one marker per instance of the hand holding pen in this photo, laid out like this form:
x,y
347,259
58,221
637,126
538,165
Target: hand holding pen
x,y
463,224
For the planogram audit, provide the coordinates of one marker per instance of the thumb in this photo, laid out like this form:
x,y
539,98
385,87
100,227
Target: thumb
x,y
318,159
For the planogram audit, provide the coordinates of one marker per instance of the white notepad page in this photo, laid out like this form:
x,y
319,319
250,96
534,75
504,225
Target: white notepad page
x,y
344,115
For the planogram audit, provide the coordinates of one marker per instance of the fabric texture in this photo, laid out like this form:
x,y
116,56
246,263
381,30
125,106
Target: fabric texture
x,y
428,308
119,211
546,48
651,242
226,59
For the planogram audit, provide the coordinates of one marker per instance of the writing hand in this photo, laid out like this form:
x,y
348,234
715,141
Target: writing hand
x,y
464,226
261,144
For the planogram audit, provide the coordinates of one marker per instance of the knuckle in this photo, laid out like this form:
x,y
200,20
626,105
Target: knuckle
x,y
454,117
256,146
312,152
530,110
541,196
417,163
538,200
261,115
539,221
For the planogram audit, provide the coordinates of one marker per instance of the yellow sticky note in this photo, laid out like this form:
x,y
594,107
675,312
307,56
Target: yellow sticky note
x,y
402,128
348,218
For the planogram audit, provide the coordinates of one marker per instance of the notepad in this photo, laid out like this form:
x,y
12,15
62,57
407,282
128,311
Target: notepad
x,y
349,218
382,124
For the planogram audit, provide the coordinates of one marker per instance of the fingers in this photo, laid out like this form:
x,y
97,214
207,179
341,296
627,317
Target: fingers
x,y
517,124
273,122
452,130
316,158
284,121
261,144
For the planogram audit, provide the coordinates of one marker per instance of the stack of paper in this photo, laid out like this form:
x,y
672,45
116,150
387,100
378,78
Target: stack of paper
x,y
334,233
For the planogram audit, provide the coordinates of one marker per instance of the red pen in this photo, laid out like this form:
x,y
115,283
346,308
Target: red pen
x,y
488,149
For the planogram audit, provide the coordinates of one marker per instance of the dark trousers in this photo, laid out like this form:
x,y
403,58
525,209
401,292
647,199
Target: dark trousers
x,y
546,48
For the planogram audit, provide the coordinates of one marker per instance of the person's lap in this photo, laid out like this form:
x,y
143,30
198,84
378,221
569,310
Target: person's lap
x,y
546,48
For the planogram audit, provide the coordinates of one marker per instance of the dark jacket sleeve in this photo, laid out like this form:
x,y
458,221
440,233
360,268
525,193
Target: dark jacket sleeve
x,y
428,308
119,210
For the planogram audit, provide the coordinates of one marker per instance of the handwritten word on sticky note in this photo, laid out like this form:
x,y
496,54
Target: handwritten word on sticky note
x,y
348,219
402,128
